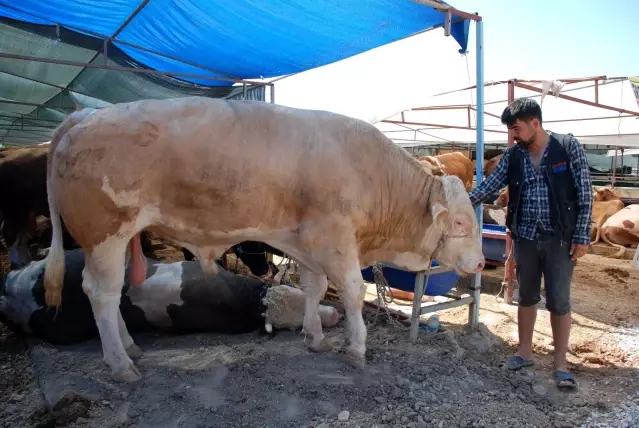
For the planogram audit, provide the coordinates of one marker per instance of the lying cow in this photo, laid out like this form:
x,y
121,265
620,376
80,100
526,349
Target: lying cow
x,y
621,230
605,194
23,197
493,214
331,209
175,297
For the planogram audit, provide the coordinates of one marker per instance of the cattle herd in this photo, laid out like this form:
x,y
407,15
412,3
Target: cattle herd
x,y
213,175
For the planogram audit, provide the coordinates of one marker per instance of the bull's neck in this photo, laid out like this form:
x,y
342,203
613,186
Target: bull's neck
x,y
403,212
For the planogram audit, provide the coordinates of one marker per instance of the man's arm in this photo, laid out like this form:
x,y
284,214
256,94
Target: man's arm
x,y
495,181
581,179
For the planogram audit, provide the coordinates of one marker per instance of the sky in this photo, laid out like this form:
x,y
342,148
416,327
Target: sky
x,y
540,39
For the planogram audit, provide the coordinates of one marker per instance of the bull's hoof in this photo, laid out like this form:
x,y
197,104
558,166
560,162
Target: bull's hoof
x,y
128,374
323,346
134,351
356,361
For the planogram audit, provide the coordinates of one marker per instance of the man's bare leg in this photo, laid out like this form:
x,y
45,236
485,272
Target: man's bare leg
x,y
526,317
561,334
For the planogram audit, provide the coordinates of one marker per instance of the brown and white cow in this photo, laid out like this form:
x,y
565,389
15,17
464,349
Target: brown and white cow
x,y
621,230
454,163
209,174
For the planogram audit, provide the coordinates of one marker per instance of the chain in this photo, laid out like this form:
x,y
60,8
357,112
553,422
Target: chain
x,y
382,289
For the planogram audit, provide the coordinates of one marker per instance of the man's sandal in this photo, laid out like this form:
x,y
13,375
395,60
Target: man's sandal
x,y
565,380
516,362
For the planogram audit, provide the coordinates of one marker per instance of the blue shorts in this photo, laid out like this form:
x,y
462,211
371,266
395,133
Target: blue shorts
x,y
546,255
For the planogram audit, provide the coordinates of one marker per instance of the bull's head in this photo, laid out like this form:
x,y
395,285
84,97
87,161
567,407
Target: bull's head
x,y
460,246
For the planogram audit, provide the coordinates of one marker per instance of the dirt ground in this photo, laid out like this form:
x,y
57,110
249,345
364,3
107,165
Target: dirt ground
x,y
449,379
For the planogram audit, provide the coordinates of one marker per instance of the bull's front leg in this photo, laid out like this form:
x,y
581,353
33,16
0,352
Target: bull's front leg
x,y
345,273
315,287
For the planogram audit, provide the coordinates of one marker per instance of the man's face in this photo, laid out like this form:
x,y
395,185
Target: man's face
x,y
525,133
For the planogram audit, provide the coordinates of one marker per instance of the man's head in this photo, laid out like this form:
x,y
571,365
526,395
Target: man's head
x,y
523,118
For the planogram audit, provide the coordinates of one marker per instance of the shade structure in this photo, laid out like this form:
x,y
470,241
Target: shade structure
x,y
52,54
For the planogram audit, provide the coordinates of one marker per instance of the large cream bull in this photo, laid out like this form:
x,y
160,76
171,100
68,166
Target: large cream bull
x,y
332,192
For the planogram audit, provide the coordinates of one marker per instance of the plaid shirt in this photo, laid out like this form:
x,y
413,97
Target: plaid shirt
x,y
534,211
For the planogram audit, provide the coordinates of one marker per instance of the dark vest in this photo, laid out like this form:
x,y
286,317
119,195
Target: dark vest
x,y
561,188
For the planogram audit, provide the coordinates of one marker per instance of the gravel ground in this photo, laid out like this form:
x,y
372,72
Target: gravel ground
x,y
625,415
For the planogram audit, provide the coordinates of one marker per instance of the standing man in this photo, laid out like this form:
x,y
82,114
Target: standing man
x,y
548,215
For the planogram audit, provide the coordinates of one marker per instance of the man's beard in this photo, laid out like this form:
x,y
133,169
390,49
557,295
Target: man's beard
x,y
526,143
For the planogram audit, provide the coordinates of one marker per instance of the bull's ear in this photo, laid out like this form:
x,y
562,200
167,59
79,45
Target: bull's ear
x,y
440,215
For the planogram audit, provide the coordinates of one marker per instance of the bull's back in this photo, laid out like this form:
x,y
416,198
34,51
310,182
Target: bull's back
x,y
200,156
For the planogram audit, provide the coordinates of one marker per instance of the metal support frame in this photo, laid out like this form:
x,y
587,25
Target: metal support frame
x,y
473,300
509,270
440,126
130,69
473,309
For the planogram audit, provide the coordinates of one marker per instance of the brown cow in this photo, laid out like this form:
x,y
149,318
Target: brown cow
x,y
23,197
454,163
207,174
605,194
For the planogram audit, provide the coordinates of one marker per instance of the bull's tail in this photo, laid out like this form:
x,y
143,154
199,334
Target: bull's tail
x,y
54,265
622,250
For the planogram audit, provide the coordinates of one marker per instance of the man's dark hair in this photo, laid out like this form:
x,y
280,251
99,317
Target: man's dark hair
x,y
524,109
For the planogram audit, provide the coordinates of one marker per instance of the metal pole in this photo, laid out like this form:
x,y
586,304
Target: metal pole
x,y
418,293
473,308
509,269
614,168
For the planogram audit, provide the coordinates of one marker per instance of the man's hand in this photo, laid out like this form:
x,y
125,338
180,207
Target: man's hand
x,y
578,250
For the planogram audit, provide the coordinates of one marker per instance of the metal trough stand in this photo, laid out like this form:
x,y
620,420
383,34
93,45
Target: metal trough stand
x,y
418,309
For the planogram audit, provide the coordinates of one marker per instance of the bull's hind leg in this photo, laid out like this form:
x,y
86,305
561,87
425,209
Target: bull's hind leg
x,y
103,278
315,287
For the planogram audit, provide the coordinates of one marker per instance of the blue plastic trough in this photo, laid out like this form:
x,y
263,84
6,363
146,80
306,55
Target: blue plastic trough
x,y
494,242
440,282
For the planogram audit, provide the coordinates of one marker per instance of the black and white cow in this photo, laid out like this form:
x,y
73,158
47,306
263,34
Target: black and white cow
x,y
176,297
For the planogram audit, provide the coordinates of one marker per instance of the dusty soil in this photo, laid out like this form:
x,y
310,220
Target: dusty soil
x,y
452,378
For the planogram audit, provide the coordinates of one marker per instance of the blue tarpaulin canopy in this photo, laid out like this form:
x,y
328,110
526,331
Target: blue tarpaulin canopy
x,y
194,41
